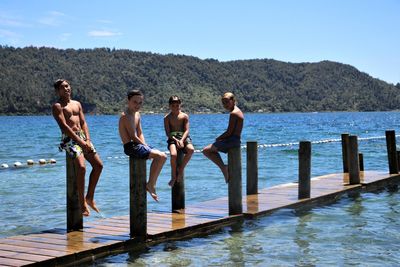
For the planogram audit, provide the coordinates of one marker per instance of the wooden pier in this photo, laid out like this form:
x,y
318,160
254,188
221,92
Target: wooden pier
x,y
142,228
112,235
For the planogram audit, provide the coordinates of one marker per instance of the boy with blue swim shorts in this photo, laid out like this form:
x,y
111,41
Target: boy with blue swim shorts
x,y
132,137
76,142
230,138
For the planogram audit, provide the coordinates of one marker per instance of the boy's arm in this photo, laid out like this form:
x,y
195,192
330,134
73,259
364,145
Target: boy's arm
x,y
185,127
229,131
60,119
139,133
166,126
125,129
83,124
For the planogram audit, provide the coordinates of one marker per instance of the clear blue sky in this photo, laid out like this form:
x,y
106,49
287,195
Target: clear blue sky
x,y
362,33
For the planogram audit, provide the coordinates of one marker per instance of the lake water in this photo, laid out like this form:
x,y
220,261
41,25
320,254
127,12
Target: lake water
x,y
352,231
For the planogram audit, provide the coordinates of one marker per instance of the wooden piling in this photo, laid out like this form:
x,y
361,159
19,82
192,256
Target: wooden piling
x,y
361,161
137,198
252,168
178,189
304,169
74,211
354,167
398,158
391,151
345,145
235,181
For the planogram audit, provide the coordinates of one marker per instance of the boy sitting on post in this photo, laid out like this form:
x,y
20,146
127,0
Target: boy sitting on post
x,y
176,124
130,131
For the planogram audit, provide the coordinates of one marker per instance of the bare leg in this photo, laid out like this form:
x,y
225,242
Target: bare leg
x,y
172,149
80,176
211,152
159,159
97,167
186,158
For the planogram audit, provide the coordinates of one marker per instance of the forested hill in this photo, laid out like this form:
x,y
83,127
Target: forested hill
x,y
100,79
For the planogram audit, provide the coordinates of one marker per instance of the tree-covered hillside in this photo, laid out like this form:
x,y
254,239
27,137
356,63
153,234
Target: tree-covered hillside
x,y
100,79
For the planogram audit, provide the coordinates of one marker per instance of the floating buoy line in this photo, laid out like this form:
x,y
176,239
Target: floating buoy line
x,y
29,162
323,141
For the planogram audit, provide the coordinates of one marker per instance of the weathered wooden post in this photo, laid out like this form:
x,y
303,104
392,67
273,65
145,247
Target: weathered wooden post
x,y
137,198
304,169
74,211
252,168
361,161
391,150
345,147
354,167
178,189
398,158
235,181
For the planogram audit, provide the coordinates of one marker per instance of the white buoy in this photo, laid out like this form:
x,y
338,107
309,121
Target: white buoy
x,y
42,161
17,164
52,161
4,166
30,162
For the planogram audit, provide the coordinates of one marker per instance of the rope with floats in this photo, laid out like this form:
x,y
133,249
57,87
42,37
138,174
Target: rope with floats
x,y
29,162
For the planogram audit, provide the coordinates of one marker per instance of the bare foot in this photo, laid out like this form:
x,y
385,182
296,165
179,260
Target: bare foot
x,y
226,173
85,210
92,204
152,192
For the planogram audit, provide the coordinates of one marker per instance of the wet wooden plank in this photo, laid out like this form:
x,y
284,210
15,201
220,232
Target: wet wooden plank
x,y
24,256
75,244
36,251
34,245
13,262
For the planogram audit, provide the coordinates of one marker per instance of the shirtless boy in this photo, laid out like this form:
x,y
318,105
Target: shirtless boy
x,y
230,138
76,142
176,124
130,131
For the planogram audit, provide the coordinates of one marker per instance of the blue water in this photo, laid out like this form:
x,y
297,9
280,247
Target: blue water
x,y
33,198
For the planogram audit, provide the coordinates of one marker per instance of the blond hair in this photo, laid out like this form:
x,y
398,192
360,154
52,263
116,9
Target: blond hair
x,y
229,95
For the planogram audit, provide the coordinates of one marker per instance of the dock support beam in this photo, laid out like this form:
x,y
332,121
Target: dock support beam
x,y
178,189
137,198
235,181
391,150
361,161
354,167
74,211
398,158
252,168
304,169
345,148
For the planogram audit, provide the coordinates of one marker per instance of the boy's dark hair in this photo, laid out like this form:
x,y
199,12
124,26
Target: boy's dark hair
x,y
134,92
59,82
174,99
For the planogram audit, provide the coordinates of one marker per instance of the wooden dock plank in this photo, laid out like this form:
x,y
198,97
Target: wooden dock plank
x,y
13,262
35,245
74,243
36,251
24,256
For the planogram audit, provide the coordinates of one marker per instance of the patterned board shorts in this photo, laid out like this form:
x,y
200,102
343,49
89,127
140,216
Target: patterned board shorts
x,y
71,147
